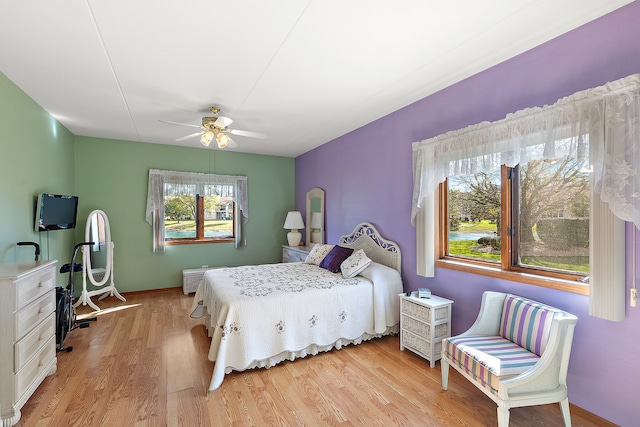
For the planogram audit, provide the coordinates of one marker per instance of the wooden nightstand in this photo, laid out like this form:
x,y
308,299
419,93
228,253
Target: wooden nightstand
x,y
295,253
424,322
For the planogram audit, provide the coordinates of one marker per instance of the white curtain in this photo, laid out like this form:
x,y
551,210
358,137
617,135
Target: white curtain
x,y
607,118
599,128
155,199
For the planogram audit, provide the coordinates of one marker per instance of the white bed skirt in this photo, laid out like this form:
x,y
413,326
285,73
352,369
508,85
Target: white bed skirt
x,y
292,355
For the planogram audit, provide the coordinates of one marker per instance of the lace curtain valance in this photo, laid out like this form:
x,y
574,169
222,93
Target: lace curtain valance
x,y
157,178
597,127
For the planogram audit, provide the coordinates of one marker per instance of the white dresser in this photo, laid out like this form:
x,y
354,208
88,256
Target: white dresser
x,y
27,332
424,322
295,253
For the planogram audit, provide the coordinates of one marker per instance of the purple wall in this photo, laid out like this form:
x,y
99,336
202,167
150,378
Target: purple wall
x,y
367,177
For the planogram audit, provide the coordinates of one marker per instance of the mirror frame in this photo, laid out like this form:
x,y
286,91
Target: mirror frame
x,y
101,237
314,193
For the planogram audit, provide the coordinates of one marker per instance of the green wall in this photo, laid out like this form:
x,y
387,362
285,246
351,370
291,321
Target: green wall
x,y
112,176
36,156
39,155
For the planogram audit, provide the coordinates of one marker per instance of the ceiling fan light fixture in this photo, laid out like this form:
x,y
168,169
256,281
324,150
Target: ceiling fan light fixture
x,y
222,139
216,127
206,139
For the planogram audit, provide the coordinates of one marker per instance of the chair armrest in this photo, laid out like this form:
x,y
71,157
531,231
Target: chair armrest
x,y
488,321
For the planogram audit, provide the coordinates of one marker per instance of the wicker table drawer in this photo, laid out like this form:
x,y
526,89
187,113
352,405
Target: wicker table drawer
x,y
421,346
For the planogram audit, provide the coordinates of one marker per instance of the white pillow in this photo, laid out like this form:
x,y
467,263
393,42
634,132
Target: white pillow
x,y
317,254
353,265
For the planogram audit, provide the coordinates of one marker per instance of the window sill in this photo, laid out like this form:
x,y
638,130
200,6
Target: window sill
x,y
196,242
531,279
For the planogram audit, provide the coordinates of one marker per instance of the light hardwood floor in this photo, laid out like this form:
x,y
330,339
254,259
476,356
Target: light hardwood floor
x,y
144,363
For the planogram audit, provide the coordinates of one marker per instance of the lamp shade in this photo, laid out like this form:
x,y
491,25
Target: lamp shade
x,y
316,227
316,220
294,221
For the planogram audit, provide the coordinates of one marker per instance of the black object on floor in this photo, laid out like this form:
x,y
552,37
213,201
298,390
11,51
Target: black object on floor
x,y
65,311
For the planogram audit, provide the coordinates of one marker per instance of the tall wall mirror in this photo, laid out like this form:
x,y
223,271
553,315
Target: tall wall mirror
x,y
315,216
97,261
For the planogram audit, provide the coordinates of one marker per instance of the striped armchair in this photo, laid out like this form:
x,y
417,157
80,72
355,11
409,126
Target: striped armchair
x,y
517,352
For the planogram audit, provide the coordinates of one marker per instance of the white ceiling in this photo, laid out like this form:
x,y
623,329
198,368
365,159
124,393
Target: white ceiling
x,y
302,72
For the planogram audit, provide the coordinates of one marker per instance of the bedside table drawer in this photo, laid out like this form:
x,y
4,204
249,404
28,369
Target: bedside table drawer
x,y
295,253
423,329
422,346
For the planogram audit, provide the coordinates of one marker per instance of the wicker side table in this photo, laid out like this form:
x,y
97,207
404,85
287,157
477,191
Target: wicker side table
x,y
424,322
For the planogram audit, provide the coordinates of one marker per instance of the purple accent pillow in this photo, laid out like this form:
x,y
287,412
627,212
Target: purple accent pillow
x,y
335,257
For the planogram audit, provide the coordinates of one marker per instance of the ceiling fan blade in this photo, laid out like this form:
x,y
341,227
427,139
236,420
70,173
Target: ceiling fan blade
x,y
189,136
222,122
247,133
181,124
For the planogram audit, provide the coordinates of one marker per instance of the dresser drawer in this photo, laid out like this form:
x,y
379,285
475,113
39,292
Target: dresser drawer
x,y
32,342
35,367
34,285
30,316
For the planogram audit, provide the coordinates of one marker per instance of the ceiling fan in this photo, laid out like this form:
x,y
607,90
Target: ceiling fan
x,y
216,127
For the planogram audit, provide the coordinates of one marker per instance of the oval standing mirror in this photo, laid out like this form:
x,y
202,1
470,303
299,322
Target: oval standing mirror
x,y
97,261
315,216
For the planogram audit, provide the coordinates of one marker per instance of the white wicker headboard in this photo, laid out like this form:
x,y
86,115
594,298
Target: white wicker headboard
x,y
378,249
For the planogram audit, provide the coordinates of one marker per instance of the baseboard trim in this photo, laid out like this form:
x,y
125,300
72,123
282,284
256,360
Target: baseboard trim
x,y
152,291
595,419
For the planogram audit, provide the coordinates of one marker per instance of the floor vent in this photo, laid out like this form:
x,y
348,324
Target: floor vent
x,y
191,278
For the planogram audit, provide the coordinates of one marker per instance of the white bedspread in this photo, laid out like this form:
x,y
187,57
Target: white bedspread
x,y
259,315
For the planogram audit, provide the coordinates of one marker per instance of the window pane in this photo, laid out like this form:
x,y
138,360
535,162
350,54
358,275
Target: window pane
x,y
218,211
474,216
179,211
553,223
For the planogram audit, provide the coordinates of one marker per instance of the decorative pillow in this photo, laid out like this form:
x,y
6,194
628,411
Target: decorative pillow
x,y
335,257
317,254
353,265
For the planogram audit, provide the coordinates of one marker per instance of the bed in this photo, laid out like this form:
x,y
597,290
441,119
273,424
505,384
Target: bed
x,y
258,316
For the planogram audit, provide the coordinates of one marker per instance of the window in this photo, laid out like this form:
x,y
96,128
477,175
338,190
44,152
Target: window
x,y
189,207
533,218
596,129
198,213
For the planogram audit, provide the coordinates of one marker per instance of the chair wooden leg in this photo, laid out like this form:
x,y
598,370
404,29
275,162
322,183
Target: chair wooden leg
x,y
566,414
444,370
503,416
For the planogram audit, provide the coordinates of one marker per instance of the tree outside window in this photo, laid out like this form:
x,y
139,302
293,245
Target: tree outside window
x,y
190,215
531,218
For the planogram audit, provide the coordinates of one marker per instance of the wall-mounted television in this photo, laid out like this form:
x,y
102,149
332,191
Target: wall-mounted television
x,y
56,212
